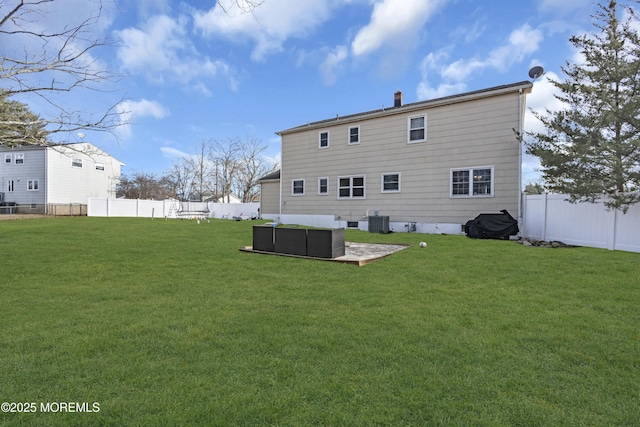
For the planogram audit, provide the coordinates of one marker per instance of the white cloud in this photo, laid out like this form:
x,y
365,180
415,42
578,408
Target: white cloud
x,y
393,21
433,63
521,43
424,91
130,110
541,98
268,26
161,48
173,153
331,64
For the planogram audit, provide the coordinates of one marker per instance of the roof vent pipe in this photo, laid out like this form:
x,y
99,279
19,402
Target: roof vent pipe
x,y
397,99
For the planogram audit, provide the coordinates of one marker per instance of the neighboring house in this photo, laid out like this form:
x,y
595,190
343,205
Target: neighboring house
x,y
429,166
51,179
229,198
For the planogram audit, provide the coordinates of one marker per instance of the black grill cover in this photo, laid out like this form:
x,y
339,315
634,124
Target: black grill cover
x,y
492,226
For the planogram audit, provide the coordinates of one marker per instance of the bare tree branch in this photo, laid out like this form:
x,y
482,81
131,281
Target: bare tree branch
x,y
54,62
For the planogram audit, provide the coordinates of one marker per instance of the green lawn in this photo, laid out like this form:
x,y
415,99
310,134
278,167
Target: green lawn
x,y
168,323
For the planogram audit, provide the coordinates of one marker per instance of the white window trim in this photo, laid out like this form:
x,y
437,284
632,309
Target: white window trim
x,y
382,175
74,160
293,186
470,195
11,186
351,177
327,192
415,141
320,139
99,166
349,135
8,158
18,156
34,187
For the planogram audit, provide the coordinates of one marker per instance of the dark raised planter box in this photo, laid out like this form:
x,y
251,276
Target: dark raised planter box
x,y
292,241
316,243
263,238
325,243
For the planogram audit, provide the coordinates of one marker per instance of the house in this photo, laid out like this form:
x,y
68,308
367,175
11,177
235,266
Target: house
x,y
56,179
428,166
270,195
229,198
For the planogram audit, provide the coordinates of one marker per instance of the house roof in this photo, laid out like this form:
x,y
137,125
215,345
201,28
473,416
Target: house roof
x,y
524,86
81,147
271,176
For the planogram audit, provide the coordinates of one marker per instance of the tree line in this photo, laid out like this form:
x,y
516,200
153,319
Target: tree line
x,y
217,171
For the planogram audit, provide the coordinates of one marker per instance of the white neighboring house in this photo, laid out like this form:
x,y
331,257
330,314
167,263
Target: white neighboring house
x,y
230,198
51,179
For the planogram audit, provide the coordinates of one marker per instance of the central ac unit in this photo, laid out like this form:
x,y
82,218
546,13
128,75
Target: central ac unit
x,y
379,224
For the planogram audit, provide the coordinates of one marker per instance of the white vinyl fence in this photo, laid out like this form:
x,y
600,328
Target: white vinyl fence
x,y
551,217
169,209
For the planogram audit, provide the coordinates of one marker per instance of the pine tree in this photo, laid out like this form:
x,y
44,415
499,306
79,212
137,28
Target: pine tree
x,y
18,125
591,148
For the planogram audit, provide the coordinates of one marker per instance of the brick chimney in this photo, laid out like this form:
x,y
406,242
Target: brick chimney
x,y
397,99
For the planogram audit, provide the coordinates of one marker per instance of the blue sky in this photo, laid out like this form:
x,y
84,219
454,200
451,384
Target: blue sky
x,y
192,72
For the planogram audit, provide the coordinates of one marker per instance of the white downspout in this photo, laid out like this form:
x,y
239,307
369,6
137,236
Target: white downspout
x,y
520,136
281,176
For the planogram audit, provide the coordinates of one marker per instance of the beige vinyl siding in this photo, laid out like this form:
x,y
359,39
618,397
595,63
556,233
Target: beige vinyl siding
x,y
270,197
459,135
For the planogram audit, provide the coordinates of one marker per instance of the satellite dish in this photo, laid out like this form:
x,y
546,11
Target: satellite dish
x,y
536,72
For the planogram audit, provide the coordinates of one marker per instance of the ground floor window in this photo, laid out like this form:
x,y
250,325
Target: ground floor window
x,y
297,187
33,185
470,182
351,187
391,182
10,186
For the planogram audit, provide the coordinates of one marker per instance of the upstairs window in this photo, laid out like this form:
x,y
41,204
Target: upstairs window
x,y
99,166
417,129
472,182
76,163
8,158
354,135
351,187
297,187
323,139
19,159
